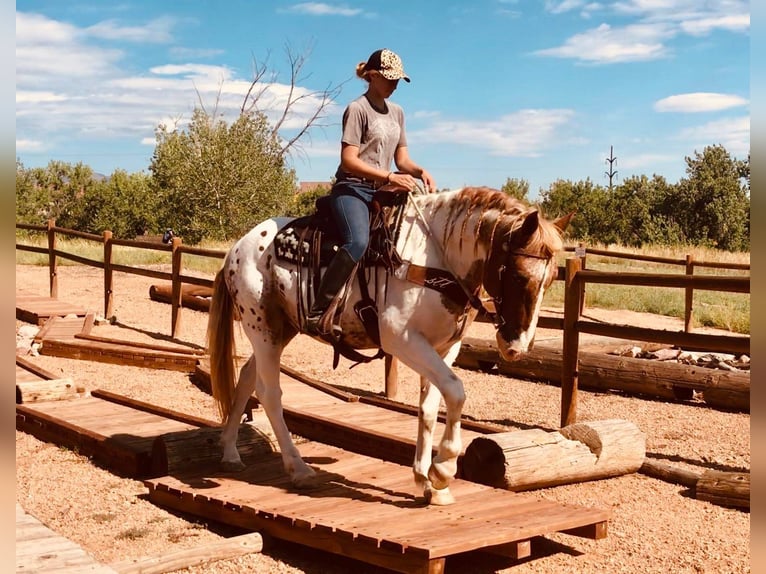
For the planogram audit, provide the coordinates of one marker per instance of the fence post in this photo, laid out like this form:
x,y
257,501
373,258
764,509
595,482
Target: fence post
x,y
108,275
392,376
689,305
571,341
175,291
581,252
53,280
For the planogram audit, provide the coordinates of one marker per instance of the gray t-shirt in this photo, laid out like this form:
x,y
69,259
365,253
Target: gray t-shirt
x,y
376,134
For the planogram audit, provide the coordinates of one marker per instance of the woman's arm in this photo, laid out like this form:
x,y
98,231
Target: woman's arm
x,y
404,163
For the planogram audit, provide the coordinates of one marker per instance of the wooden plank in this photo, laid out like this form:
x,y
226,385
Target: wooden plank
x,y
117,437
36,370
373,504
224,549
37,309
39,549
119,354
46,390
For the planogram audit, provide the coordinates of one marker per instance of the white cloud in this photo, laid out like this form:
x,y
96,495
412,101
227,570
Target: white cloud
x,y
157,31
561,6
68,85
699,102
732,133
645,160
605,44
29,145
324,9
525,133
704,25
654,23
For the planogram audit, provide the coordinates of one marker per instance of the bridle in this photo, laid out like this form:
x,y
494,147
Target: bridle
x,y
495,316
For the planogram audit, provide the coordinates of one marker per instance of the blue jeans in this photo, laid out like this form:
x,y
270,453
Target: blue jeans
x,y
350,208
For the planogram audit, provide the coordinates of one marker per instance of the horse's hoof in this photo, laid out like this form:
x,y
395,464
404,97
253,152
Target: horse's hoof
x,y
304,480
441,497
439,480
232,466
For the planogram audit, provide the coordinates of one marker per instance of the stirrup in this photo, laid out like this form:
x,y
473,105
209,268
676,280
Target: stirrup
x,y
322,325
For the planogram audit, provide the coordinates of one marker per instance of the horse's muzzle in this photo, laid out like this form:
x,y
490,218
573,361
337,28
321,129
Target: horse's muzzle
x,y
514,350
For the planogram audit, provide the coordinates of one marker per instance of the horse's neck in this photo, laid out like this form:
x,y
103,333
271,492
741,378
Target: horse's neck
x,y
443,237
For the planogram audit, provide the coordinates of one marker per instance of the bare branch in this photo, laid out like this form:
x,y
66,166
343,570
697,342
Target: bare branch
x,y
295,95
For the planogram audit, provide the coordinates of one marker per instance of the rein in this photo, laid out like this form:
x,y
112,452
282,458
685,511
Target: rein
x,y
473,299
496,316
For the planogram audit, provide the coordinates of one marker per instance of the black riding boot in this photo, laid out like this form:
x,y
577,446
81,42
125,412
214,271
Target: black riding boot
x,y
335,277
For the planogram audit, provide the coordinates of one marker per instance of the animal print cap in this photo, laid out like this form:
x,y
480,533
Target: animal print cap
x,y
388,64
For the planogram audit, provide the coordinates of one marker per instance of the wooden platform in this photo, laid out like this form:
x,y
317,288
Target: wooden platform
x,y
369,510
38,309
106,427
371,426
39,549
73,338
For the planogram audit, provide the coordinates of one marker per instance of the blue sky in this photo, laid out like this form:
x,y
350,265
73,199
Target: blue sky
x,y
535,90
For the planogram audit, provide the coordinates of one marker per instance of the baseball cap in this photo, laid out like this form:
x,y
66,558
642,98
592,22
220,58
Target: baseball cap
x,y
388,64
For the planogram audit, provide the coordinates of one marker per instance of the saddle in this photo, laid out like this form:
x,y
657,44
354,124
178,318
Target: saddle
x,y
311,241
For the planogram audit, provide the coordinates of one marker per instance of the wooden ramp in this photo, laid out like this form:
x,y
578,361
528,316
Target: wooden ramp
x,y
371,426
39,549
369,510
73,338
362,507
37,309
115,431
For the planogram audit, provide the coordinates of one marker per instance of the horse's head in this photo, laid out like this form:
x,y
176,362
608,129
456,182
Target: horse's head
x,y
520,267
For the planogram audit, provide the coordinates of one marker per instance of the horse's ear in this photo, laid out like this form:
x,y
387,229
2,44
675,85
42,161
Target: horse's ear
x,y
563,222
529,227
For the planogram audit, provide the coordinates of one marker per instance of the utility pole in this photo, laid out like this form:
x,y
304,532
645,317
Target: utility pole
x,y
611,173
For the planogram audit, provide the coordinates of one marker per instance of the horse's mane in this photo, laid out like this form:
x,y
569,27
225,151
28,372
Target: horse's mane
x,y
499,215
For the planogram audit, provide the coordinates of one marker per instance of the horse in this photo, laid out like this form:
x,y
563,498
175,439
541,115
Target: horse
x,y
479,240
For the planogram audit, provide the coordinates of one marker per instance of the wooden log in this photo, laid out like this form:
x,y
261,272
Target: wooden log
x,y
192,296
48,390
600,371
724,488
224,549
669,473
534,458
173,452
723,397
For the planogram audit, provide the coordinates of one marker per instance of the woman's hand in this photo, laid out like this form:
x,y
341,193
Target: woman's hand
x,y
428,181
403,180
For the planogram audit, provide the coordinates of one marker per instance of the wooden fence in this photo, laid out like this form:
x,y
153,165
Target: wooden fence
x,y
573,274
176,276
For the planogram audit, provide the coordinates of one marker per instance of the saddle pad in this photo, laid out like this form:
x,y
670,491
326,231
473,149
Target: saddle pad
x,y
289,247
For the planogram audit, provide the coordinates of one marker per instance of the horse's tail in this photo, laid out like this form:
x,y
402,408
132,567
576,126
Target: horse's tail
x,y
221,346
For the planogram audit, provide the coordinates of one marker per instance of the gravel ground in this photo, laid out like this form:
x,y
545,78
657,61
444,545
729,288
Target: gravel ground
x,y
656,527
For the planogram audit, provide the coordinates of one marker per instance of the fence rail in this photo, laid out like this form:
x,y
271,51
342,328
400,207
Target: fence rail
x,y
574,275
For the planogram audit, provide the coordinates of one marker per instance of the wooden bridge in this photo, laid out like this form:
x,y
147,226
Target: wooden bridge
x,y
364,505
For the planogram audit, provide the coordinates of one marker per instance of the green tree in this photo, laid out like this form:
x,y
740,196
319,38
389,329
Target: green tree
x,y
637,208
592,220
124,203
712,203
216,180
517,188
54,192
305,203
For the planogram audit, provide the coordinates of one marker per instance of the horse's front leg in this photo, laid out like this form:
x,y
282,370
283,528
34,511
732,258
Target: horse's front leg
x,y
427,416
444,466
231,460
421,357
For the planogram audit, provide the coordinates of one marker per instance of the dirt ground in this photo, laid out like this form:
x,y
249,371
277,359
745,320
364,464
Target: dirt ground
x,y
656,526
